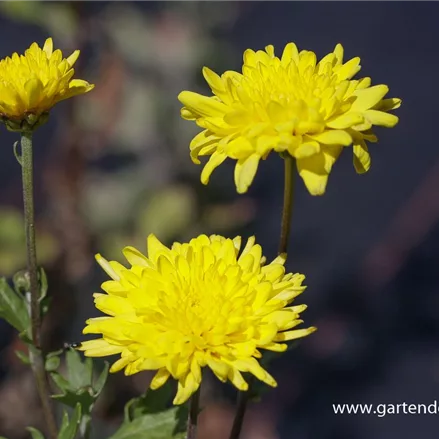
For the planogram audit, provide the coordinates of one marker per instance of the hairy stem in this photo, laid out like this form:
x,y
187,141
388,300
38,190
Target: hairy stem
x,y
36,356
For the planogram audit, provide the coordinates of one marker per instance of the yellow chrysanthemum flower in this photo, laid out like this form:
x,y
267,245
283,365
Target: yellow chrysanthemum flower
x,y
289,105
31,84
194,305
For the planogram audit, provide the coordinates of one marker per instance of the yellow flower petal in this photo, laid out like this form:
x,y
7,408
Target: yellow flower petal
x,y
107,267
295,334
48,47
215,160
194,305
202,105
185,389
345,120
333,137
159,379
369,97
388,104
349,69
155,248
292,104
361,157
245,171
307,150
37,81
380,118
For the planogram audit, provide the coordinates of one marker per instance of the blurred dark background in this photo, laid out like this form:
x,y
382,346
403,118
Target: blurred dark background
x,y
114,166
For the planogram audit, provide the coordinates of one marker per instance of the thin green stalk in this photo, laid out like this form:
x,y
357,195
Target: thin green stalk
x,y
194,408
36,356
289,161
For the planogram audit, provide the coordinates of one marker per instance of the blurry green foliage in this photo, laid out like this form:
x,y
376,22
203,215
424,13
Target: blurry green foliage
x,y
168,212
58,18
12,243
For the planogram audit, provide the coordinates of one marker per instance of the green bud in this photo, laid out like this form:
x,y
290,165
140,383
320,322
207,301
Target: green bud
x,y
33,121
21,281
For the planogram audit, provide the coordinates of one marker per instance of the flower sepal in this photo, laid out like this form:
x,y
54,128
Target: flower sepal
x,y
30,122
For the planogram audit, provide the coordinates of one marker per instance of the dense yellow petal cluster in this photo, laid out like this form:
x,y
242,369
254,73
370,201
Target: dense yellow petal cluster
x,y
197,304
292,104
31,84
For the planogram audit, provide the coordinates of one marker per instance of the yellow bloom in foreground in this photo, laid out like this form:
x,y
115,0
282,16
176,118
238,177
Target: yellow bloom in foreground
x,y
196,304
289,105
32,83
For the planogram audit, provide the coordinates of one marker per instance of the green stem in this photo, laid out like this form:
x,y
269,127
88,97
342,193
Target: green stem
x,y
194,408
289,161
288,204
36,356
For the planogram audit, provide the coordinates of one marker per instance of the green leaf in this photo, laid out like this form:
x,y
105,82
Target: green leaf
x,y
84,397
13,307
26,337
36,434
21,281
43,283
60,381
45,305
102,379
69,428
78,387
79,374
168,424
153,401
23,357
52,363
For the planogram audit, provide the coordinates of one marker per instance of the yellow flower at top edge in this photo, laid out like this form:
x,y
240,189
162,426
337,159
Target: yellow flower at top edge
x,y
292,104
194,305
31,84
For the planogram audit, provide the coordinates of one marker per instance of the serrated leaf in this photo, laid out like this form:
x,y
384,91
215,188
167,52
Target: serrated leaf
x,y
77,387
36,434
79,374
23,357
84,397
168,424
69,427
13,307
